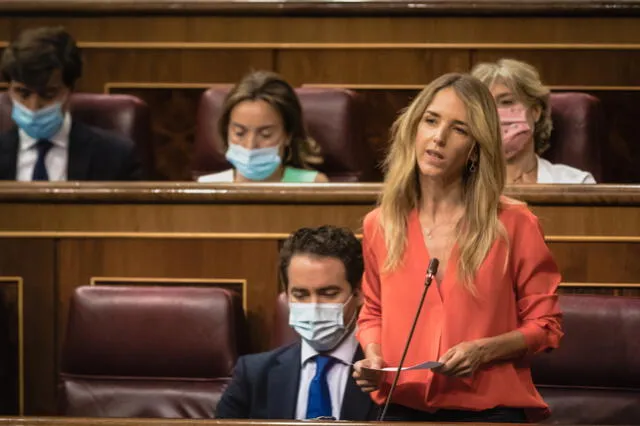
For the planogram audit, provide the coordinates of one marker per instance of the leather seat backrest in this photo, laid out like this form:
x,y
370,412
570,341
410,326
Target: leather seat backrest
x,y
578,132
137,351
594,376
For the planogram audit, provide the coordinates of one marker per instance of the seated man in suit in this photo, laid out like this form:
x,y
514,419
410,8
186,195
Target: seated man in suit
x,y
321,269
42,66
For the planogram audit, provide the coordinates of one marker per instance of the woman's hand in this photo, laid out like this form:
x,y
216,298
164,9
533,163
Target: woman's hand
x,y
368,380
462,360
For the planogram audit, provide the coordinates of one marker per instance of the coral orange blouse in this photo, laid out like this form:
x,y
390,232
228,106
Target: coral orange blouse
x,y
521,296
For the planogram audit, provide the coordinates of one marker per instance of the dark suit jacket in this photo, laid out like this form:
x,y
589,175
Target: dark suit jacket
x,y
94,154
265,386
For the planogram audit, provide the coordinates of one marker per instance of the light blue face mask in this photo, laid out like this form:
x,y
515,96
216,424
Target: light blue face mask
x,y
321,325
254,164
40,124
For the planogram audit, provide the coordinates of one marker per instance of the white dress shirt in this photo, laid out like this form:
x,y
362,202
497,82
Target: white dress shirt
x,y
561,173
225,176
56,160
337,376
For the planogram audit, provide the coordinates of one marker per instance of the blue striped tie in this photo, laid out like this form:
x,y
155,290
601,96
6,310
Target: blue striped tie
x,y
319,403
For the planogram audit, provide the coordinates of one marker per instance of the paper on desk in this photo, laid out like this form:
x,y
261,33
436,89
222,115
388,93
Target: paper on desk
x,y
427,365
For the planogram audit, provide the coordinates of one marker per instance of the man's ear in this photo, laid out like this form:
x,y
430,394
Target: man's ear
x,y
66,103
357,294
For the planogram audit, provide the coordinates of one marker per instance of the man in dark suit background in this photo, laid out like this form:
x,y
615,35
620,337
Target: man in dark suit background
x,y
321,269
42,66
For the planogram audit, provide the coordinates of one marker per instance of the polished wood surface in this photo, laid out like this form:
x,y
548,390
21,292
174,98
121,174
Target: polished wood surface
x,y
347,193
56,237
70,421
333,7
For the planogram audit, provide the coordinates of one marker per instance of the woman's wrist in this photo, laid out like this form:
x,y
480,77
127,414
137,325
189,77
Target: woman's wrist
x,y
486,348
505,346
373,350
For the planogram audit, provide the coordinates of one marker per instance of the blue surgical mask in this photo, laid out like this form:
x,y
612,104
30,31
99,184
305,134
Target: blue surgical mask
x,y
254,164
41,124
321,325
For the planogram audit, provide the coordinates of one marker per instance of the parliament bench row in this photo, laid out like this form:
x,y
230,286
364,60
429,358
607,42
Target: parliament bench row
x,y
335,118
133,351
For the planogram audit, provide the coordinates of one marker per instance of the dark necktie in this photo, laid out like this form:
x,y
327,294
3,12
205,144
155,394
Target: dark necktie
x,y
319,403
40,170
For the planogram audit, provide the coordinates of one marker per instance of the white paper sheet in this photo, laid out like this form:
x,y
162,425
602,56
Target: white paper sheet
x,y
427,365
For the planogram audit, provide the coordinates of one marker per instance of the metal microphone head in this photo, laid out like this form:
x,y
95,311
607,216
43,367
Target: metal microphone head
x,y
433,267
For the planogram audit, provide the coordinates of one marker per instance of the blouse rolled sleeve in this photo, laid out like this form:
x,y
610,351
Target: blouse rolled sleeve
x,y
537,280
370,318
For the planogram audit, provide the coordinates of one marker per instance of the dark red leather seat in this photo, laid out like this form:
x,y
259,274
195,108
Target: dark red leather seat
x,y
333,118
578,133
125,115
134,351
594,377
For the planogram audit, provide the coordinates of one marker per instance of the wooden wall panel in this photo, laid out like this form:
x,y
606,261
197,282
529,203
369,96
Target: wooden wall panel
x,y
598,262
34,261
575,67
369,66
585,223
169,66
353,29
264,220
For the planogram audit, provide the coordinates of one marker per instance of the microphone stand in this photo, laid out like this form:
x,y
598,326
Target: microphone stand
x,y
431,271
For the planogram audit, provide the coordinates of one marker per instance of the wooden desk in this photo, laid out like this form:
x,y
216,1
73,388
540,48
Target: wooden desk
x,y
70,421
54,238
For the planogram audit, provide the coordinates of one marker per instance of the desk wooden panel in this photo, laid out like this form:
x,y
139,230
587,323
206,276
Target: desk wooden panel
x,y
56,237
70,421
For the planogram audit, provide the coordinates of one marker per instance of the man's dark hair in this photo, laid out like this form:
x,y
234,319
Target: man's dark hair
x,y
37,53
325,241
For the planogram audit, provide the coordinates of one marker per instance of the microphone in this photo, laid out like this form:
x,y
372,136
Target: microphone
x,y
431,271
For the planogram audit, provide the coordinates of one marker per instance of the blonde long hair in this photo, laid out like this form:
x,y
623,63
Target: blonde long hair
x,y
483,187
524,82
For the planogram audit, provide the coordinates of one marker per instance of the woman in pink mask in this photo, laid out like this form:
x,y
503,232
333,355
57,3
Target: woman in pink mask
x,y
525,118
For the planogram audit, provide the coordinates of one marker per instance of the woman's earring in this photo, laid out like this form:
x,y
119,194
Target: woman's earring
x,y
472,167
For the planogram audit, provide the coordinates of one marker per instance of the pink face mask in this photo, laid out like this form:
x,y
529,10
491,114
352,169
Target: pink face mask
x,y
516,131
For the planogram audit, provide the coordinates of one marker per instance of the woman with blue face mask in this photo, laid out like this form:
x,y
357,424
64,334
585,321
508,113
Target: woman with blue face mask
x,y
263,129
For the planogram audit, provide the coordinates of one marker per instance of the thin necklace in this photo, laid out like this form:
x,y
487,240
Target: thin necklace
x,y
428,232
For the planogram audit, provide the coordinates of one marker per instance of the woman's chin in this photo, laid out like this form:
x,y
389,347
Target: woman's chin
x,y
431,170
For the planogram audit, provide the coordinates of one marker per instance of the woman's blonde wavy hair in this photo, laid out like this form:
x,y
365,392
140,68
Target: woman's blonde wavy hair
x,y
524,82
483,187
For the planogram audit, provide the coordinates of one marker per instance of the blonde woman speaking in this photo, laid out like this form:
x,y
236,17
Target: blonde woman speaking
x,y
493,301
